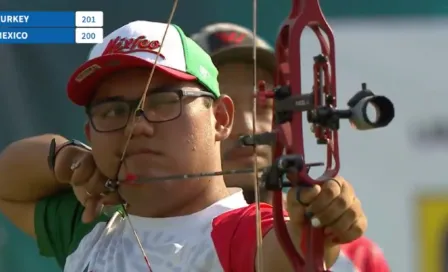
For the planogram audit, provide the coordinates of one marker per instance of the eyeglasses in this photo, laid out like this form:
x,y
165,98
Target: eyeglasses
x,y
114,113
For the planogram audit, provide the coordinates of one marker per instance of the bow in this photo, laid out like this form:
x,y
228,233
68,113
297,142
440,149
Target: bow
x,y
286,137
321,113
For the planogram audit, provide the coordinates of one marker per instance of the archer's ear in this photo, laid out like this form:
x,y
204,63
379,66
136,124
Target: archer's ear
x,y
224,111
87,130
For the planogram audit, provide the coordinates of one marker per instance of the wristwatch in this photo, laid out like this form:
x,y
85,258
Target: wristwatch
x,y
53,152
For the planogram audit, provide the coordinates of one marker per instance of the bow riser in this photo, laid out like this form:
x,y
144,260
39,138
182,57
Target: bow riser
x,y
322,114
305,14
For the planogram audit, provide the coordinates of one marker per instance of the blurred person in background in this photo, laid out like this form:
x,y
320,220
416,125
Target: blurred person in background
x,y
231,49
54,189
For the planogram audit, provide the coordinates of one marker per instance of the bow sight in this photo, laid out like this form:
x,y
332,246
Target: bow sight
x,y
321,114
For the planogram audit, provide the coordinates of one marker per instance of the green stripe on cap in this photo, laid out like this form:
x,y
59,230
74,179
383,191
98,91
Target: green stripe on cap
x,y
199,64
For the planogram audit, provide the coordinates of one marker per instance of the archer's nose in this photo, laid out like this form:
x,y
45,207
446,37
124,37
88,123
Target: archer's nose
x,y
139,126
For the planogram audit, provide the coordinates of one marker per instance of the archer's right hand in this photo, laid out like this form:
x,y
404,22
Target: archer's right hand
x,y
76,166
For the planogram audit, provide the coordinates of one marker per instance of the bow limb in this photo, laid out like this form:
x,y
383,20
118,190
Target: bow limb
x,y
113,184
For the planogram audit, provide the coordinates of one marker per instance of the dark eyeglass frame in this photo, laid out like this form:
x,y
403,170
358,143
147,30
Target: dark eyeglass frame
x,y
133,104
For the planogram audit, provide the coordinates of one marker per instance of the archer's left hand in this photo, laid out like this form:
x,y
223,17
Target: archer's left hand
x,y
332,206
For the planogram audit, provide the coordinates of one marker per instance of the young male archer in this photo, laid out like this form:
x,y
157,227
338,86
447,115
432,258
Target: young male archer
x,y
193,224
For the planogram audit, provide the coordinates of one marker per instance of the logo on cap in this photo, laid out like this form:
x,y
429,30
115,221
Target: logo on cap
x,y
87,72
231,37
225,39
121,45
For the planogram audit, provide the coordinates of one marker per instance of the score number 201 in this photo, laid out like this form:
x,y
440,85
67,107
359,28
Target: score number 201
x,y
88,19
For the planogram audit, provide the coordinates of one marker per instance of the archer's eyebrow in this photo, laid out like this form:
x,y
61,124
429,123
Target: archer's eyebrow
x,y
157,89
165,88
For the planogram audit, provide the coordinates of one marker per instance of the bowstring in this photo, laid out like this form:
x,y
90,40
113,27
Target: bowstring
x,y
259,256
135,116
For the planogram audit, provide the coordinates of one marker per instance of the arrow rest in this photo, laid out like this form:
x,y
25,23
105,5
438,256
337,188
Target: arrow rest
x,y
273,178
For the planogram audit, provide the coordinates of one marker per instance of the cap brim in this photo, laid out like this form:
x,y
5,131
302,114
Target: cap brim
x,y
82,83
265,57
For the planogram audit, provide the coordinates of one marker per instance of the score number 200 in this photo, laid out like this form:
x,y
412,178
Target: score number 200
x,y
88,36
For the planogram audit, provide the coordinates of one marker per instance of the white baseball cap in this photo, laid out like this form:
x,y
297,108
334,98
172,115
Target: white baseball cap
x,y
136,45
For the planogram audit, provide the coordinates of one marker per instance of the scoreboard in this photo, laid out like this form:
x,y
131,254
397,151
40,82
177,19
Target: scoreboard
x,y
51,27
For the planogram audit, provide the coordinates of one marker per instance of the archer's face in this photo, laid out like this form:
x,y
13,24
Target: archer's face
x,y
236,80
187,144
